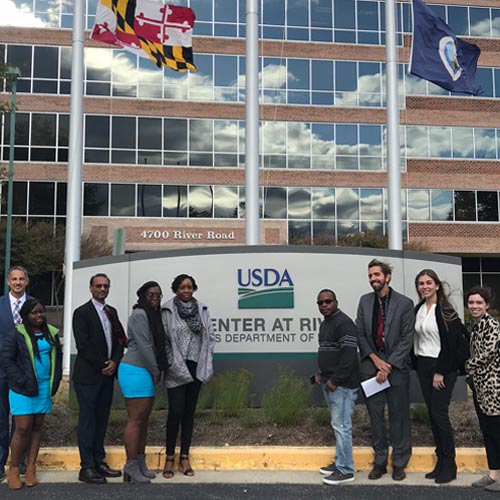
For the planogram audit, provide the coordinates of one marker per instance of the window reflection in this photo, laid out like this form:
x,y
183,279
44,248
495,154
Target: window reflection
x,y
225,202
299,233
442,205
174,201
463,142
299,203
41,199
487,206
122,200
323,200
465,206
200,201
95,199
371,204
347,203
149,200
275,203
418,204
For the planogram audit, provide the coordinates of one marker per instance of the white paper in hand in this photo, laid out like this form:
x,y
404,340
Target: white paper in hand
x,y
371,386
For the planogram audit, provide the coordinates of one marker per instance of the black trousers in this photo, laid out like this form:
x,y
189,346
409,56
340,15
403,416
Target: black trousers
x,y
490,428
182,402
94,401
438,404
397,398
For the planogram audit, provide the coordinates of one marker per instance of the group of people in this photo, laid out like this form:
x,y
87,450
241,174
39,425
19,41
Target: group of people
x,y
170,343
388,338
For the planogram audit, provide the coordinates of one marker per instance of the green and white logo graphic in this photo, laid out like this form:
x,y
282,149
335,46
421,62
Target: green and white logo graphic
x,y
265,288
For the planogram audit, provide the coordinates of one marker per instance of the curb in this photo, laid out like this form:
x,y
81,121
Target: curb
x,y
260,458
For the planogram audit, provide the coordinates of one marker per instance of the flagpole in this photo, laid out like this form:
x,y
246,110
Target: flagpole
x,y
74,191
252,233
395,229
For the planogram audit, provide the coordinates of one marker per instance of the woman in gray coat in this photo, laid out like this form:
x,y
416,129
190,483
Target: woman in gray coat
x,y
190,332
138,373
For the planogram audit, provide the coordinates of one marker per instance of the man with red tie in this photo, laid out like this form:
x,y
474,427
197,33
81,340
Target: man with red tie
x,y
100,341
385,324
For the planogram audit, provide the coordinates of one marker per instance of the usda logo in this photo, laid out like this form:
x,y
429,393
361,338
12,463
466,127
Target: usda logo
x,y
264,288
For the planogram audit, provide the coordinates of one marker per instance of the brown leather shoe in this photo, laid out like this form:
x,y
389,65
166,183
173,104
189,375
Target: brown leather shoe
x,y
30,478
377,472
14,479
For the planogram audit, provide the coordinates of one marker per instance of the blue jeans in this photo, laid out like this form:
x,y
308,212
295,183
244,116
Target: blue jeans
x,y
341,406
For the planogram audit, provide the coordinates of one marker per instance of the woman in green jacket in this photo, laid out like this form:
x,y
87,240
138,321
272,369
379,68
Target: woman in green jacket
x,y
32,358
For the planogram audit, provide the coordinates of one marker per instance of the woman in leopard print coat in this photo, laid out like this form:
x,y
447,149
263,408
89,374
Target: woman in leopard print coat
x,y
483,370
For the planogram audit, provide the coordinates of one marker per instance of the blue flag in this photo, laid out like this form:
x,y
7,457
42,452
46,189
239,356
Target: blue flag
x,y
439,56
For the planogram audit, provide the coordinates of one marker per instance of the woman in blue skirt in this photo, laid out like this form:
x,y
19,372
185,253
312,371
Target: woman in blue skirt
x,y
32,358
138,373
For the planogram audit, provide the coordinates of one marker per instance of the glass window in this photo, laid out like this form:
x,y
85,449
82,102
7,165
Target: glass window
x,y
299,232
174,201
495,23
275,203
298,74
226,136
471,264
122,200
463,142
226,70
41,198
419,206
487,206
123,132
201,135
274,137
20,56
345,75
484,78
440,142
98,64
370,140
416,142
321,13
299,203
297,13
225,10
324,233
203,9
344,14
63,130
490,265
45,62
149,200
96,131
150,133
95,199
323,203
225,202
458,20
61,198
175,134
322,139
273,12
347,147
43,129
19,198
484,142
442,204
200,201
371,204
367,15
322,75
465,206
347,203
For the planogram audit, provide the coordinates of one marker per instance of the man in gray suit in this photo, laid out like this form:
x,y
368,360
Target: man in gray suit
x,y
385,323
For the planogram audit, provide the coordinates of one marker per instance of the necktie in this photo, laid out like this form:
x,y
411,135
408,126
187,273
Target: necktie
x,y
380,325
15,313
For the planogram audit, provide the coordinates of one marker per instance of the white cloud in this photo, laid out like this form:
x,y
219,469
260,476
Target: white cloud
x,y
12,15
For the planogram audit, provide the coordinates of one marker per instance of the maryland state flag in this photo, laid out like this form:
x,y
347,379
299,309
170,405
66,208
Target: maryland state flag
x,y
148,28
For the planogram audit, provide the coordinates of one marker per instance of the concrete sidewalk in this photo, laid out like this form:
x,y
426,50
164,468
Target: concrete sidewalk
x,y
243,477
254,458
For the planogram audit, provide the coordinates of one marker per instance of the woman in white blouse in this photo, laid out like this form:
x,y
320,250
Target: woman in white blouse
x,y
438,332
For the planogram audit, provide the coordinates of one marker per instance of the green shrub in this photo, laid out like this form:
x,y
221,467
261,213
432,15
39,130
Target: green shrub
x,y
420,414
205,397
251,418
230,392
286,402
321,416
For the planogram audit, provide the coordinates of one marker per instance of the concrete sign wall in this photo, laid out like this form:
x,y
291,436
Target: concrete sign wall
x,y
262,300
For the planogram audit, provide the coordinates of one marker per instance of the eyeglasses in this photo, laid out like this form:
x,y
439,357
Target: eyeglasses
x,y
102,285
327,302
154,295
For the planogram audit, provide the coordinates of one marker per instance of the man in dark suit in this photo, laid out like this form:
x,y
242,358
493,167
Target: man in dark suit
x,y
10,305
385,323
99,342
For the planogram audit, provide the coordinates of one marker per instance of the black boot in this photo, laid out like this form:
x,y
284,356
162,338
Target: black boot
x,y
447,472
434,473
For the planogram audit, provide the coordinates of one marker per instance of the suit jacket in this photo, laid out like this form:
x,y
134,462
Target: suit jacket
x,y
92,350
398,332
6,321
